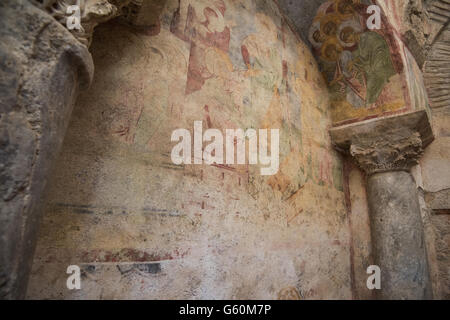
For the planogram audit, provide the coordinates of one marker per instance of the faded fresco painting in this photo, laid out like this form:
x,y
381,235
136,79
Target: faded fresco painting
x,y
364,68
230,64
417,95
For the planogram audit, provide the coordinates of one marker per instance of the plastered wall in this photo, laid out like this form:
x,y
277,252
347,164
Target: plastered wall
x,y
434,179
140,226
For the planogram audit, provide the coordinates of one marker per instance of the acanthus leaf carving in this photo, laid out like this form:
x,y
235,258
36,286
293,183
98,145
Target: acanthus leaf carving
x,y
390,151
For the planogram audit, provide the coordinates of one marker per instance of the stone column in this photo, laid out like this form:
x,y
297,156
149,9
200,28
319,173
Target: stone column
x,y
42,68
386,149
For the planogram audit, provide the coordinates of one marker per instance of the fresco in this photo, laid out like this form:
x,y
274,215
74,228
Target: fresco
x,y
198,231
256,78
417,97
364,68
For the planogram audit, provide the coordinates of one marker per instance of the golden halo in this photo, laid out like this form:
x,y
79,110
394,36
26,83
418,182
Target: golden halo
x,y
348,32
329,25
315,36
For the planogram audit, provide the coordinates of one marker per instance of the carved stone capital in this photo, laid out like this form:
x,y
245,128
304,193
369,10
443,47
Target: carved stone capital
x,y
387,144
389,151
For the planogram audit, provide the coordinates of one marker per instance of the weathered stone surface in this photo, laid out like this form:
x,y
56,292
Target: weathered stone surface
x,y
435,164
397,236
435,170
41,68
437,70
439,201
430,238
441,224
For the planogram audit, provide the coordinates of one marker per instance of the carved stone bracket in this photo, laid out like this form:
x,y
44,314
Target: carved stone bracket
x,y
92,13
387,144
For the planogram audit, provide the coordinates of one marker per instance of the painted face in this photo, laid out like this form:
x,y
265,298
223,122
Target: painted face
x,y
331,52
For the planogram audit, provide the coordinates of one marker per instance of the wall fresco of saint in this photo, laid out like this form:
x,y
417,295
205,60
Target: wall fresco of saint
x,y
364,68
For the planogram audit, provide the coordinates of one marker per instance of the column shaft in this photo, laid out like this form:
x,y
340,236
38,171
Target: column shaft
x,y
42,67
397,236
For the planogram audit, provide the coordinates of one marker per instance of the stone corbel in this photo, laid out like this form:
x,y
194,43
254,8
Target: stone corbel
x,y
92,13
